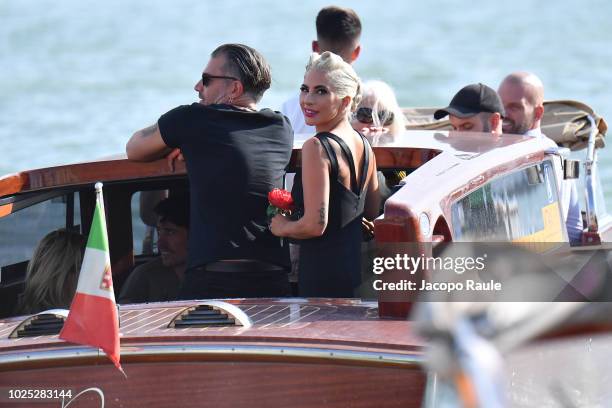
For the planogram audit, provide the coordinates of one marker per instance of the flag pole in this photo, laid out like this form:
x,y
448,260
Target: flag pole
x,y
99,197
93,319
100,200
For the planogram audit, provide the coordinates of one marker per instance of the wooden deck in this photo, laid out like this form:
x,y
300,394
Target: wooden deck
x,y
335,323
299,353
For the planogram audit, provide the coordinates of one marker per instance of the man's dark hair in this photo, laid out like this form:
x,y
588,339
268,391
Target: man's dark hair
x,y
339,27
174,209
248,65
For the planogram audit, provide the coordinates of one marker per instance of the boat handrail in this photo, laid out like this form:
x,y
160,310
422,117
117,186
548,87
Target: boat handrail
x,y
590,181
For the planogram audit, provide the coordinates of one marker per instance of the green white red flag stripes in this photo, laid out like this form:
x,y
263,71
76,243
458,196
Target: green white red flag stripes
x,y
93,319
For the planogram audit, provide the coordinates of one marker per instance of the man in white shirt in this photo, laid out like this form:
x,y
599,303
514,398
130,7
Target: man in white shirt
x,y
522,94
338,31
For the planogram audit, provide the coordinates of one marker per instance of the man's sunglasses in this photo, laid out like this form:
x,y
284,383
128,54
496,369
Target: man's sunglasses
x,y
364,115
207,78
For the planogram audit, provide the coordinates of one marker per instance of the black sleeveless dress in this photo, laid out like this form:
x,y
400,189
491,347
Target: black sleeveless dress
x,y
330,265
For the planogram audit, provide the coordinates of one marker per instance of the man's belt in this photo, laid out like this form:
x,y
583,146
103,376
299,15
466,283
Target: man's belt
x,y
242,265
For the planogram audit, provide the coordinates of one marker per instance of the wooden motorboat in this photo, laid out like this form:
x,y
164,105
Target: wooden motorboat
x,y
264,352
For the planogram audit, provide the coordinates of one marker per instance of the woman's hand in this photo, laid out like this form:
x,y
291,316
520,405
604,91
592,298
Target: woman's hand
x,y
367,228
277,224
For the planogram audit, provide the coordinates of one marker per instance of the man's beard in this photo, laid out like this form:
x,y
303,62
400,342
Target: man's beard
x,y
510,126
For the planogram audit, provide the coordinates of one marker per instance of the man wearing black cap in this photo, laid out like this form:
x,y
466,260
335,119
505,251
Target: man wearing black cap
x,y
475,108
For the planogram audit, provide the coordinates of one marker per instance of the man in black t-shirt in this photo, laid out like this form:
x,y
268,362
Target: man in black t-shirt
x,y
234,156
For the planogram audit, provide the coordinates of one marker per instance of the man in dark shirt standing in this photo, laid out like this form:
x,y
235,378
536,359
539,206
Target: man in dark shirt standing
x,y
234,156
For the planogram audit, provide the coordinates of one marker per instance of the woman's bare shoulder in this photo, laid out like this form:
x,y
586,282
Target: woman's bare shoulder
x,y
314,152
312,145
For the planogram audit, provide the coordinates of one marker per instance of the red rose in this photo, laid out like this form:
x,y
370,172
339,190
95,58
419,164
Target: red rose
x,y
281,199
280,202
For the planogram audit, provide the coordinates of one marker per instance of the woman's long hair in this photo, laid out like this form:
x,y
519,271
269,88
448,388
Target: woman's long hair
x,y
53,272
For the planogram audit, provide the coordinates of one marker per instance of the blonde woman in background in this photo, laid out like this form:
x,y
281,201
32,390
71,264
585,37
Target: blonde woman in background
x,y
53,272
380,118
336,186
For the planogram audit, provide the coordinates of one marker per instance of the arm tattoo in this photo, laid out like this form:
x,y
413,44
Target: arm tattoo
x,y
322,214
148,131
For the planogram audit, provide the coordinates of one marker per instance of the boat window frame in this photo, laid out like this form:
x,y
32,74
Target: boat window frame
x,y
554,181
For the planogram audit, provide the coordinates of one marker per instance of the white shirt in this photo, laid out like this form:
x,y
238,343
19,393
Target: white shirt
x,y
568,195
291,109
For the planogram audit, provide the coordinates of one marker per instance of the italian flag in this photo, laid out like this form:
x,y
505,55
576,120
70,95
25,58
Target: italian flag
x,y
93,318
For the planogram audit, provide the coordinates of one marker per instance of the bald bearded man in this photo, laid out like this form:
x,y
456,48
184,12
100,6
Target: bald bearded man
x,y
522,94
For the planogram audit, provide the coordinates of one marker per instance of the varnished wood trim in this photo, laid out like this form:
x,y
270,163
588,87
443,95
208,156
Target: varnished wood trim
x,y
85,173
6,209
123,169
230,385
76,356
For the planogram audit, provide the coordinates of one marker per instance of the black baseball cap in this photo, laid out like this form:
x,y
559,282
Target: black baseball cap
x,y
471,100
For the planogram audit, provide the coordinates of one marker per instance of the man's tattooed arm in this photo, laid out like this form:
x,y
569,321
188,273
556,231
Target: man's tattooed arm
x,y
146,145
148,131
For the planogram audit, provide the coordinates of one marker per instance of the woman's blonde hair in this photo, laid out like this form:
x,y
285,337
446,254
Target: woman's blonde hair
x,y
379,96
53,272
343,78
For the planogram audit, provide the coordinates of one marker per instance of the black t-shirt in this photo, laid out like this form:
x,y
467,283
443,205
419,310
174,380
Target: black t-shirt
x,y
234,158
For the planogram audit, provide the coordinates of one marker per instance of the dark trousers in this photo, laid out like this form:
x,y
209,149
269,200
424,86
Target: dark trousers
x,y
249,280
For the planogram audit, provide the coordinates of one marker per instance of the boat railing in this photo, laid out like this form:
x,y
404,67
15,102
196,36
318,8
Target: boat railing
x,y
590,181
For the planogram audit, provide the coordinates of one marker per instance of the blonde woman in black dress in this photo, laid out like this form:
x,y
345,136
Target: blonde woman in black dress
x,y
337,184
